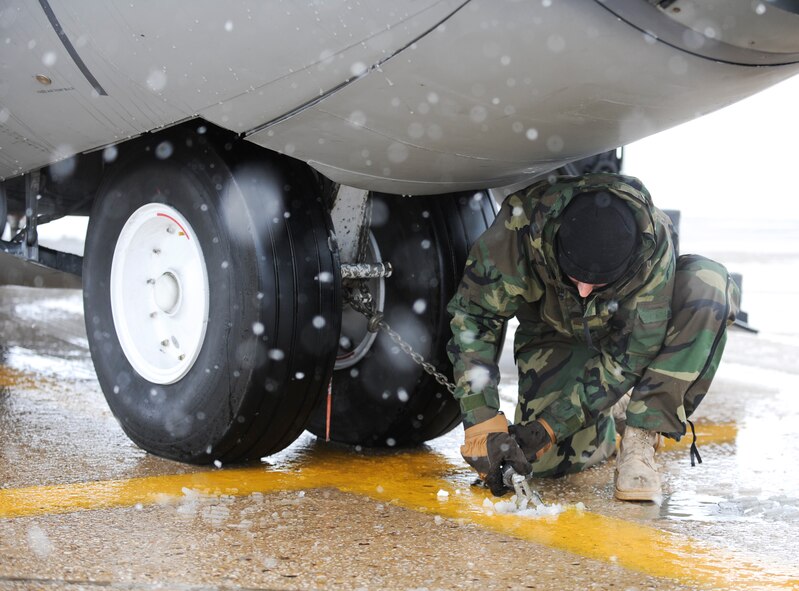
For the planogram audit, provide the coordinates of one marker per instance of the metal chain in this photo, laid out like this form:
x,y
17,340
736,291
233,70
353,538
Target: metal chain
x,y
361,301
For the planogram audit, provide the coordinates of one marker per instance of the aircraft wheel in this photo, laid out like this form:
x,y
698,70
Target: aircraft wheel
x,y
211,300
3,210
380,396
609,161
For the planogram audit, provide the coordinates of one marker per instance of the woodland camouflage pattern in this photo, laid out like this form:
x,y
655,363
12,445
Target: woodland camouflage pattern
x,y
659,329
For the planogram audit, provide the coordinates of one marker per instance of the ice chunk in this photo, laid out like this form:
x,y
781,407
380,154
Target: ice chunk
x,y
509,507
269,562
215,515
506,507
38,542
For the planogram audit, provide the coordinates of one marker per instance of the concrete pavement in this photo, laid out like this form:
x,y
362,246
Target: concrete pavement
x,y
82,507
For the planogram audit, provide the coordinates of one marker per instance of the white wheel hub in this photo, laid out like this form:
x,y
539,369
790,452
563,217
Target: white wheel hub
x,y
167,292
159,293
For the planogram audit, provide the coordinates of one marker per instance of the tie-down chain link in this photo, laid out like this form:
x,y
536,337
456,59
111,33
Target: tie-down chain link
x,y
361,301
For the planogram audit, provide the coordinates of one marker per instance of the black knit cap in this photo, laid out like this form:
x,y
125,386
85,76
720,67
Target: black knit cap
x,y
597,238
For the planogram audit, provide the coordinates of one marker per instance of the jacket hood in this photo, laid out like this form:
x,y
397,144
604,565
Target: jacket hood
x,y
548,199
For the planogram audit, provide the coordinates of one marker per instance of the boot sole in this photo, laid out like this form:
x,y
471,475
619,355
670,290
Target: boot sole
x,y
637,495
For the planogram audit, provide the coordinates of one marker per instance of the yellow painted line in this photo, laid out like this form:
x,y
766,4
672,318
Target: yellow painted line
x,y
11,377
706,434
412,480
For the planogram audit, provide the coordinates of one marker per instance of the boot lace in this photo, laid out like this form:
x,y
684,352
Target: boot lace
x,y
695,457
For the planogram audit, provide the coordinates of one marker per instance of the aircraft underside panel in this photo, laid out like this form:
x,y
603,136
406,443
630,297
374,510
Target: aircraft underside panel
x,y
494,96
411,96
118,69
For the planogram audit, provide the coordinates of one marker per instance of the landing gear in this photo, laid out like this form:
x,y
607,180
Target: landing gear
x,y
214,307
3,210
380,396
211,299
609,161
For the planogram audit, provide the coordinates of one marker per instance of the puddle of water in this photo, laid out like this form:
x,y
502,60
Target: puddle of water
x,y
68,305
27,361
694,500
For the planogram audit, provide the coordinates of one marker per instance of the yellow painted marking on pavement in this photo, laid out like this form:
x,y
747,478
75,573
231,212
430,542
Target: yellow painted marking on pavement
x,y
11,377
412,480
706,434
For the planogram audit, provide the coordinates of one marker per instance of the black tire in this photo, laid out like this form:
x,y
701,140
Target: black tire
x,y
273,282
3,209
386,399
609,161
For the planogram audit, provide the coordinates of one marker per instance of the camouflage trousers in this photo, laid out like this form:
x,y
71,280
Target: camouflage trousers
x,y
704,303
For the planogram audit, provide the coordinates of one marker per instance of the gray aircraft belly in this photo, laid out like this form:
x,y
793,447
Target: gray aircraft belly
x,y
240,64
492,97
412,96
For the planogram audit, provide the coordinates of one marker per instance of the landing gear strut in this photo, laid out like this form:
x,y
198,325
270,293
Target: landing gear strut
x,y
380,396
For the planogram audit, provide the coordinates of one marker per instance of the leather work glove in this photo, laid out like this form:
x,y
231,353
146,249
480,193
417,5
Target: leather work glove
x,y
488,448
534,438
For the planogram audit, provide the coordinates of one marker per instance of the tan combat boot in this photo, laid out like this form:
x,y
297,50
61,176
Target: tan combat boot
x,y
619,412
637,478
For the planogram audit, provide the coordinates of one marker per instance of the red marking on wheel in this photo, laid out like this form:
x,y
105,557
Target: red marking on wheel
x,y
329,408
183,231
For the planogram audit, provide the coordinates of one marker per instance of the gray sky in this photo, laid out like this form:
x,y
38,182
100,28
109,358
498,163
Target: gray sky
x,y
739,162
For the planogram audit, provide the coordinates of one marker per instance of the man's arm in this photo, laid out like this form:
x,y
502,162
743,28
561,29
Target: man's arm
x,y
473,350
496,278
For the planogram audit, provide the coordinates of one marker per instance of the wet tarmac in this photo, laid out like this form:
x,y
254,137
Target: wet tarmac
x,y
81,507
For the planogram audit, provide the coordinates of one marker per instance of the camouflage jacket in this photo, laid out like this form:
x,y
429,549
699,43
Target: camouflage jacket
x,y
512,271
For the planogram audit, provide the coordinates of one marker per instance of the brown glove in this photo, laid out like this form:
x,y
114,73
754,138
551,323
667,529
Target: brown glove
x,y
488,448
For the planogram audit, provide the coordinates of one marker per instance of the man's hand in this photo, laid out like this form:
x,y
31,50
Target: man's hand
x,y
488,447
534,438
